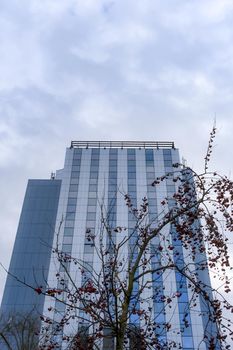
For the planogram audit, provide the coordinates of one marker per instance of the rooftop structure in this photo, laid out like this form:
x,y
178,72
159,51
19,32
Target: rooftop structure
x,y
122,144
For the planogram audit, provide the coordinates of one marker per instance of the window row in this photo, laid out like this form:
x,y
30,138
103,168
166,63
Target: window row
x,y
67,248
68,239
113,157
93,187
68,231
77,158
73,187
76,168
94,169
95,157
91,216
74,174
72,201
168,163
94,162
149,155
166,152
76,162
149,163
112,162
71,208
132,175
88,248
131,163
70,216
94,175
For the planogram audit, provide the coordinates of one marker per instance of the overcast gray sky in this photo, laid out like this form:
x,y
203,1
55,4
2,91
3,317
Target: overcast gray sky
x,y
118,70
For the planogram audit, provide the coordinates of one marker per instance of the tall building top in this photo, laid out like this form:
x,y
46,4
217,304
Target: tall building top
x,y
122,144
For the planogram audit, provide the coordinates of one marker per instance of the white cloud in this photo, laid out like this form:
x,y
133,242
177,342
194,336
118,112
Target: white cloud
x,y
10,141
98,69
215,10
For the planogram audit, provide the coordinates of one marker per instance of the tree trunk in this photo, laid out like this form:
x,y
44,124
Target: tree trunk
x,y
123,324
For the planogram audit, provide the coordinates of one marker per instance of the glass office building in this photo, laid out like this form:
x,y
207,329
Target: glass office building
x,y
32,249
59,212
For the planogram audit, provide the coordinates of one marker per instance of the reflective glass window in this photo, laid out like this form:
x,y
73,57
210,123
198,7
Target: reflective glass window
x,y
92,187
111,217
70,216
149,154
131,188
149,162
95,156
131,157
72,201
131,163
93,175
132,175
170,188
131,151
159,318
74,174
95,151
66,248
187,342
67,240
92,194
60,307
183,307
91,216
77,152
76,162
167,152
131,170
153,209
90,224
151,176
68,231
93,181
112,162
183,298
76,168
91,208
88,248
187,331
71,208
94,168
74,181
112,188
112,175
95,162
113,153
151,196
167,163
91,201
113,181
69,223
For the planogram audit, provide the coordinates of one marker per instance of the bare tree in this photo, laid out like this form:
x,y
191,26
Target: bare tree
x,y
19,332
121,302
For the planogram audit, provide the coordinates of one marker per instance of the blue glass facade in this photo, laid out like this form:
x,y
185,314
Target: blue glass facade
x,y
32,249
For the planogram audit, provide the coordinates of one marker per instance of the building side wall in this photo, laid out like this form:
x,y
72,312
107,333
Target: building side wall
x,y
32,248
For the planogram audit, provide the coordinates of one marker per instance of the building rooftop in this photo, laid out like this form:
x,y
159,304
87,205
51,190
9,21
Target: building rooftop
x,y
122,144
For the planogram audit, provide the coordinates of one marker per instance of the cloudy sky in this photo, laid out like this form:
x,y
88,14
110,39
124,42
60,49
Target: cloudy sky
x,y
118,70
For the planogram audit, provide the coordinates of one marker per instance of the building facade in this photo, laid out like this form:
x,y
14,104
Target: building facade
x,y
32,248
61,213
